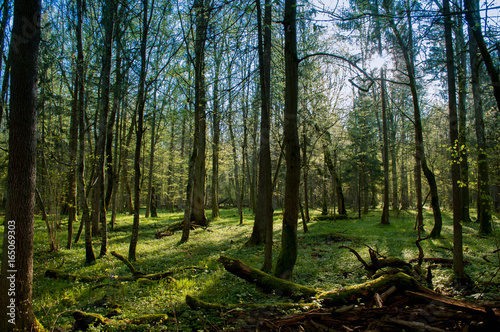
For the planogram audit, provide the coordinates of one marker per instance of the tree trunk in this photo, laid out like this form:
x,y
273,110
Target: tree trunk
x,y
336,179
458,258
264,214
3,26
483,191
71,198
200,117
385,155
139,133
216,137
419,140
151,161
288,254
462,118
98,204
474,21
16,283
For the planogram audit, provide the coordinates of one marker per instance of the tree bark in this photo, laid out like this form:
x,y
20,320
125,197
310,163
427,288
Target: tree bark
x,y
139,133
336,179
419,140
458,259
71,196
216,137
3,26
98,206
202,13
474,21
288,254
264,214
483,192
16,283
462,117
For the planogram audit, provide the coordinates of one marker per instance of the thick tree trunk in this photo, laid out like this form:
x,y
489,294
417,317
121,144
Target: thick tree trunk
x,y
3,26
200,117
288,254
483,191
16,283
264,213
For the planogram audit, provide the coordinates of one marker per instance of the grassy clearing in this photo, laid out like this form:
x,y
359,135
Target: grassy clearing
x,y
320,265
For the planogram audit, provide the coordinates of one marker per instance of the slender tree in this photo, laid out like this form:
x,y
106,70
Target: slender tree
x,y
98,200
288,253
16,281
458,259
407,51
474,21
139,132
483,191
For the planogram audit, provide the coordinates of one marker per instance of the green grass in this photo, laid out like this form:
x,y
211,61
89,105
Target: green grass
x,y
320,265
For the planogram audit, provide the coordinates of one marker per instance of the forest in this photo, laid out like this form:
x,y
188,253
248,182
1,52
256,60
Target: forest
x,y
250,165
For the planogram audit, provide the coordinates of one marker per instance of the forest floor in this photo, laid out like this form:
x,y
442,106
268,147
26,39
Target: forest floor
x,y
321,265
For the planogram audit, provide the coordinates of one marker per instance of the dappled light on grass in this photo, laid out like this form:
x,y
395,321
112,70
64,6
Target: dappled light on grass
x,y
320,264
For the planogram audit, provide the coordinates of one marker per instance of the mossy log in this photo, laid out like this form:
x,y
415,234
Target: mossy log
x,y
266,282
153,319
368,289
58,274
350,294
197,304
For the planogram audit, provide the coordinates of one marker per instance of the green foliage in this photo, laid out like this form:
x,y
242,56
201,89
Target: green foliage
x,y
320,265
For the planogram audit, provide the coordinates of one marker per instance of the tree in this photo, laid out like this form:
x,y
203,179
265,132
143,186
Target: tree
x,y
458,259
139,132
483,192
195,191
263,223
474,21
82,190
407,51
17,254
288,253
98,198
202,10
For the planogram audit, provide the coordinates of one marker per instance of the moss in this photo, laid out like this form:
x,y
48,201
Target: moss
x,y
266,281
351,293
152,319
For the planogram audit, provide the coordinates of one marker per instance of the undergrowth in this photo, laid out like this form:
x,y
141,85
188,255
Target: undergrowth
x,y
321,264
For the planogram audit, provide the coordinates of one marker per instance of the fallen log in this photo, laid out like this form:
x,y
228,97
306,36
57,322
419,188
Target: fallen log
x,y
265,281
336,297
442,300
126,262
368,289
58,274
